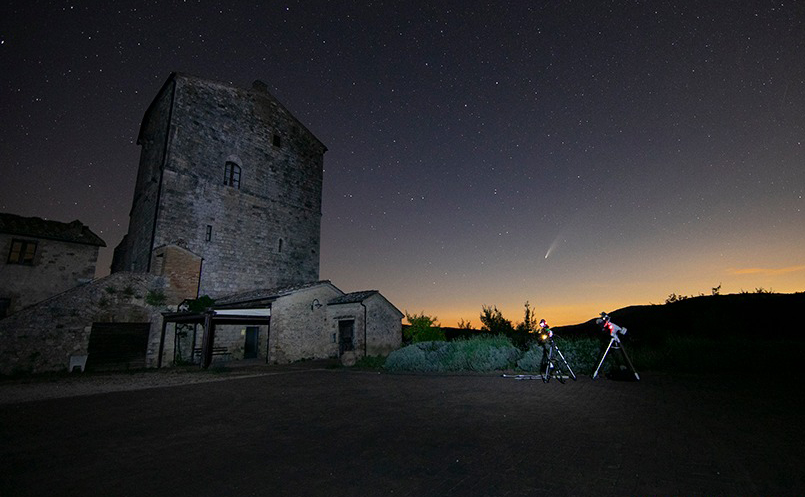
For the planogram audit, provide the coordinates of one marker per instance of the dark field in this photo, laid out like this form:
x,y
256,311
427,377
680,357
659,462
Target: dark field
x,y
333,432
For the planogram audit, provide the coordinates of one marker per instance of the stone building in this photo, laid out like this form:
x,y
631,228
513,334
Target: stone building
x,y
229,175
365,323
310,321
43,258
106,324
227,202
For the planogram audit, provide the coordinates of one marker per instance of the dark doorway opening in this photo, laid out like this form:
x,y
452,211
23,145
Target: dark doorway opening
x,y
250,347
346,335
115,346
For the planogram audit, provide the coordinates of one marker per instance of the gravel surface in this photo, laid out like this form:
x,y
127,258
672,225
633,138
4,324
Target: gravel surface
x,y
13,392
42,387
341,432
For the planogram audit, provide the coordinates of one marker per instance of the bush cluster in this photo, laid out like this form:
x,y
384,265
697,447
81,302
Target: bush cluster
x,y
476,354
581,353
494,353
670,353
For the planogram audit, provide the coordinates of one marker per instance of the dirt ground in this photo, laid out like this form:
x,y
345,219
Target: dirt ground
x,y
311,430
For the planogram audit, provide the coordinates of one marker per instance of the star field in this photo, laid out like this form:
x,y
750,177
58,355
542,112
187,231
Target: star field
x,y
653,147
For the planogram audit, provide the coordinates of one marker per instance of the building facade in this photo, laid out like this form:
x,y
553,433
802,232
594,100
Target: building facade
x,y
227,202
229,175
315,320
43,258
106,324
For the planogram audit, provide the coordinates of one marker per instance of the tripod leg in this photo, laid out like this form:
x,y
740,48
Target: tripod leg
x,y
556,370
629,362
595,375
546,358
569,369
559,373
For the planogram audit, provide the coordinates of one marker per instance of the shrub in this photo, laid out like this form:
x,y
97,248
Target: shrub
x,y
699,354
532,359
200,304
488,354
423,328
476,354
410,358
156,298
582,354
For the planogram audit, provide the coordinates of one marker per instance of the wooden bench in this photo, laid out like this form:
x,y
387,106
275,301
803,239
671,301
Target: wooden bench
x,y
216,351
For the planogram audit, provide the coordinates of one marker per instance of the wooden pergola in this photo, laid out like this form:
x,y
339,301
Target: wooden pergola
x,y
209,319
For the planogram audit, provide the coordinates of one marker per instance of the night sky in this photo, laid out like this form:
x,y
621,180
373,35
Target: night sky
x,y
581,155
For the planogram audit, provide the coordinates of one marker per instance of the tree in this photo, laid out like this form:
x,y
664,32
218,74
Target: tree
x,y
493,322
675,298
464,325
423,328
200,304
529,323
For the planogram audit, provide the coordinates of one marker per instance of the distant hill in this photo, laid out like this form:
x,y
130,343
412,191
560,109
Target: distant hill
x,y
767,315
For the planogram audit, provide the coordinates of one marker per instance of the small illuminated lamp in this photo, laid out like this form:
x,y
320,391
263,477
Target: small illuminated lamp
x,y
315,305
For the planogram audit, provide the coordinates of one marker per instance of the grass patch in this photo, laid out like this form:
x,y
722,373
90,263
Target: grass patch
x,y
371,362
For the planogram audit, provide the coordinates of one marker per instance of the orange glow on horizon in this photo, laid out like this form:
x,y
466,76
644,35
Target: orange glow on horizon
x,y
565,315
768,271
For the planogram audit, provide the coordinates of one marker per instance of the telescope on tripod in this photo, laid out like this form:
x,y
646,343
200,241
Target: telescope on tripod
x,y
556,365
553,356
614,343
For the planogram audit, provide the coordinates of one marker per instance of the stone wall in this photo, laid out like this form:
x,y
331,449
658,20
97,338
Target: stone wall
x,y
384,326
262,233
181,269
57,267
347,312
134,252
299,327
42,338
233,337
378,325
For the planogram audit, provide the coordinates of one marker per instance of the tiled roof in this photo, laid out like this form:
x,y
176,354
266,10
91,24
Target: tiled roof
x,y
35,227
352,298
265,293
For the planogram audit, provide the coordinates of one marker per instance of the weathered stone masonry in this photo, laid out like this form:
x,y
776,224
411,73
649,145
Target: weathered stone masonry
x,y
64,255
43,337
263,231
227,204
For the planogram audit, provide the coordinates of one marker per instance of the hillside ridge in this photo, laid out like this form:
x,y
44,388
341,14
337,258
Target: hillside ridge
x,y
770,315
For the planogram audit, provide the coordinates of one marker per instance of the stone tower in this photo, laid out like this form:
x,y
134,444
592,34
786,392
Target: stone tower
x,y
231,182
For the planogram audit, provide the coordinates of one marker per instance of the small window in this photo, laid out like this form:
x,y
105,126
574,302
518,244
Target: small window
x,y
22,252
208,236
277,140
232,175
279,246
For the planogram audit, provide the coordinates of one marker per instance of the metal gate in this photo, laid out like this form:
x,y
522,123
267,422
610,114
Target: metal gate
x,y
115,346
